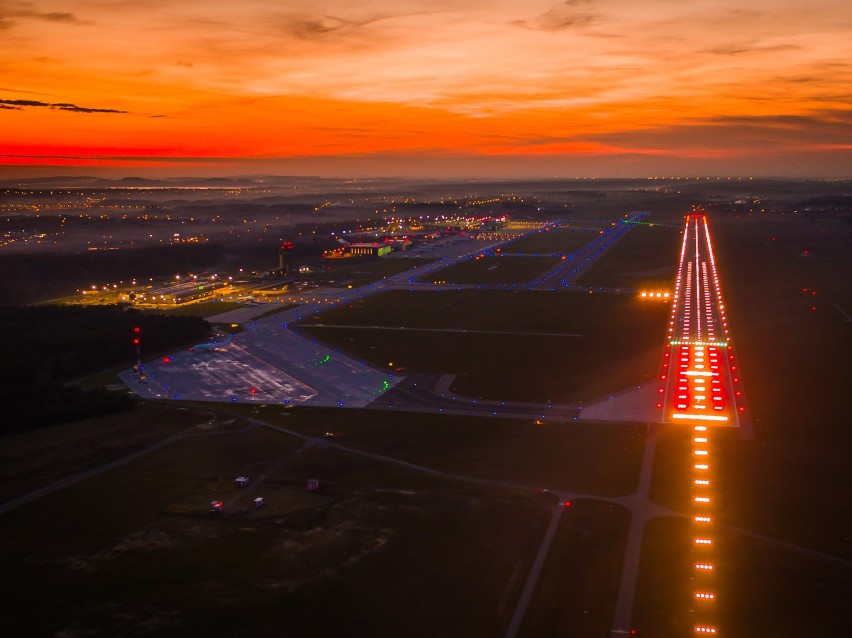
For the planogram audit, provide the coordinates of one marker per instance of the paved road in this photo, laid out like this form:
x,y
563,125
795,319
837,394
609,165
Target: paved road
x,y
535,572
642,511
416,393
56,486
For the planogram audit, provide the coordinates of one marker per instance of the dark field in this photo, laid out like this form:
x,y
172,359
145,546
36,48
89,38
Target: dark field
x,y
555,456
504,271
579,584
763,589
364,271
30,460
548,242
646,257
618,344
147,557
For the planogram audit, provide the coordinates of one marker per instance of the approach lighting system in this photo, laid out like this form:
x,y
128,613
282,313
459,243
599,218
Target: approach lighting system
x,y
699,386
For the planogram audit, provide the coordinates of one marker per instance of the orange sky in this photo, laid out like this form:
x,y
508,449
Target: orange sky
x,y
427,87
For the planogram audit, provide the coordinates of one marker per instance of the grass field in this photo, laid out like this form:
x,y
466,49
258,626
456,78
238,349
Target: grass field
x,y
503,271
618,344
143,560
365,271
549,242
29,460
762,589
556,456
646,257
577,591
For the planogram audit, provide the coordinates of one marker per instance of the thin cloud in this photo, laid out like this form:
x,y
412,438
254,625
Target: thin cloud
x,y
58,106
560,18
10,12
744,49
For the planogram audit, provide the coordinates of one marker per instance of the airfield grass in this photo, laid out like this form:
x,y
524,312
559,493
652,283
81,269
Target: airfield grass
x,y
494,271
618,342
582,458
762,589
646,256
141,559
758,484
365,271
549,242
791,482
33,459
578,587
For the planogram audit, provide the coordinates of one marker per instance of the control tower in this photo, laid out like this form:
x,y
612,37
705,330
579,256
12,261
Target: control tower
x,y
285,258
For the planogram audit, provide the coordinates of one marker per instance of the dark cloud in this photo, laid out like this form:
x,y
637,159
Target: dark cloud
x,y
744,49
318,27
10,108
828,127
561,18
59,106
12,11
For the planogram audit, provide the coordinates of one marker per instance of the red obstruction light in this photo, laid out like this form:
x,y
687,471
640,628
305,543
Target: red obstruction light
x,y
567,503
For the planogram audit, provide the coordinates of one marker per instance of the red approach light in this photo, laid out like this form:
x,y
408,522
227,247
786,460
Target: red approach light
x,y
137,329
136,342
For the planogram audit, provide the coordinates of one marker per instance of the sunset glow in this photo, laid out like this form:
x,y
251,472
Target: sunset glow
x,y
583,87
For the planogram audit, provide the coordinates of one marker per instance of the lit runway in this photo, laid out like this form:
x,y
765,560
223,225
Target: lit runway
x,y
700,378
702,390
